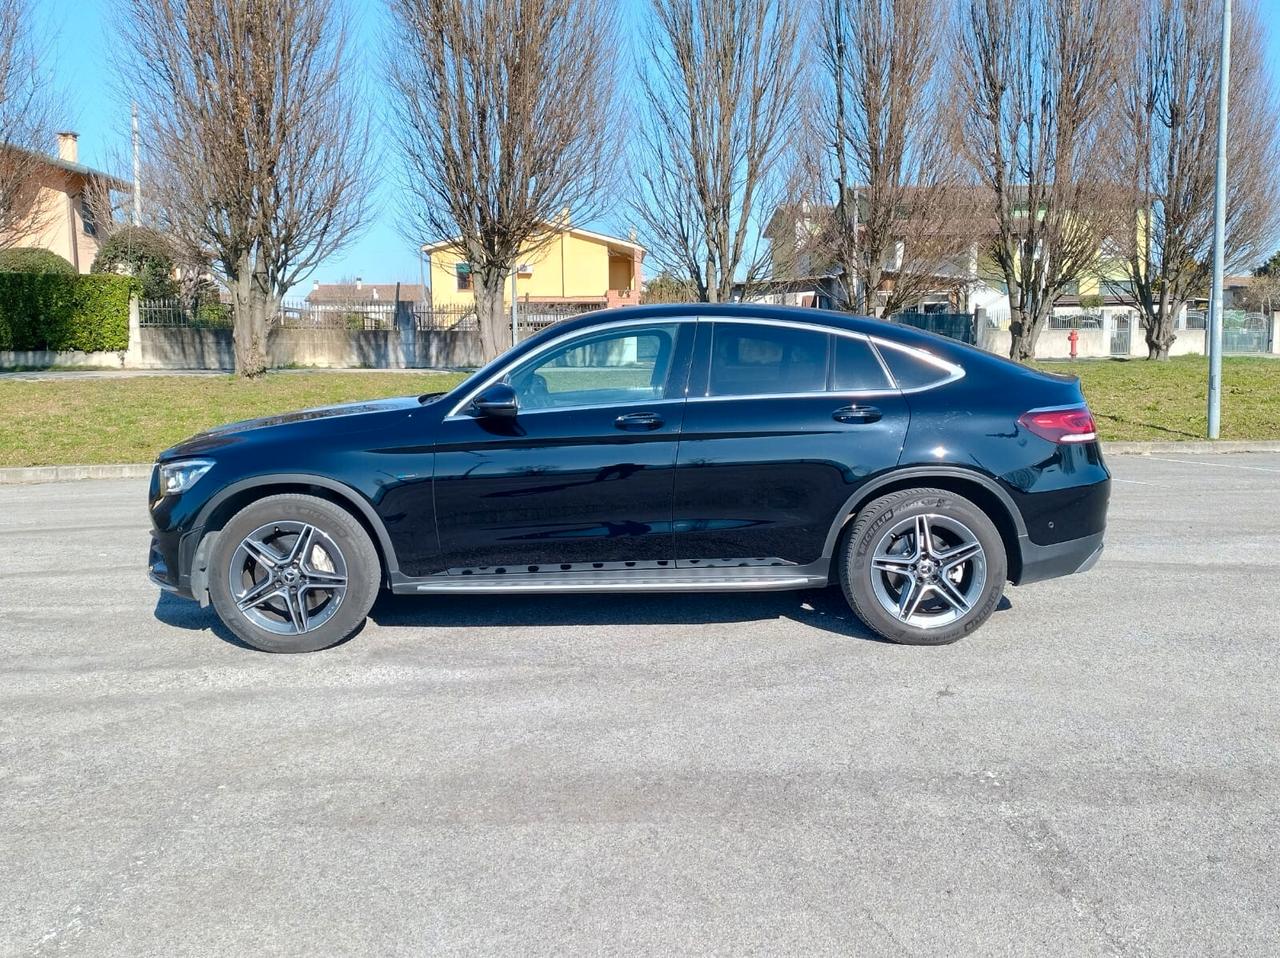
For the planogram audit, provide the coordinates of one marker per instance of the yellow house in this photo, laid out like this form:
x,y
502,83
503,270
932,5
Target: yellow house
x,y
61,216
569,267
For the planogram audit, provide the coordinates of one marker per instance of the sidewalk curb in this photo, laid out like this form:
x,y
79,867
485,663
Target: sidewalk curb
x,y
141,470
33,474
1191,447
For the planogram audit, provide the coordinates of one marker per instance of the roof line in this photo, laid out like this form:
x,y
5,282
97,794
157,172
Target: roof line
x,y
603,237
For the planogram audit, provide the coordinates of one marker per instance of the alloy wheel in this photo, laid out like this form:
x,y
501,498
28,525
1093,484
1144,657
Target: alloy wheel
x,y
288,577
928,571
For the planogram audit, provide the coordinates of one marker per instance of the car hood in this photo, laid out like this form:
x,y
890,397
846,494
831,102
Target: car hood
x,y
345,417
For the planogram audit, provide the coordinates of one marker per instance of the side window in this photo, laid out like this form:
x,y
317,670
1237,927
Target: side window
x,y
856,367
910,370
463,273
749,359
599,369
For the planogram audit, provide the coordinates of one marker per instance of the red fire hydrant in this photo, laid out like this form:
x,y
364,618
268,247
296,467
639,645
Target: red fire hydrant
x,y
1073,337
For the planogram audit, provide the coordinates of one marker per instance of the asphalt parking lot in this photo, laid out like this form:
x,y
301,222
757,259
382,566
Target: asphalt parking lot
x,y
1097,771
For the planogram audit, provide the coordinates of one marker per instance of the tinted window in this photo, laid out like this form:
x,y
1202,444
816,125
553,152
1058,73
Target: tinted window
x,y
599,369
910,371
856,367
750,360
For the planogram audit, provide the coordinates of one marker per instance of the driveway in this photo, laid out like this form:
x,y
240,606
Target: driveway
x,y
1097,771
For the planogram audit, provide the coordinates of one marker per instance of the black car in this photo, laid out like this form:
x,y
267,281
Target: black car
x,y
651,449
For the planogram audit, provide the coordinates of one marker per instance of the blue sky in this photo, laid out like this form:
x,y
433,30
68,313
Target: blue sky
x,y
80,44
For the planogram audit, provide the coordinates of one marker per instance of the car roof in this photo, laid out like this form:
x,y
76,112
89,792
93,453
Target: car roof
x,y
971,357
894,332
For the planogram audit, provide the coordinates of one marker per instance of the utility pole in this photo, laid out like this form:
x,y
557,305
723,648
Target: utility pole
x,y
137,171
1219,232
515,334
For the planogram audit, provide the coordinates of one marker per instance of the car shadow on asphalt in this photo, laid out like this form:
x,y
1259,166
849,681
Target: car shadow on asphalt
x,y
822,609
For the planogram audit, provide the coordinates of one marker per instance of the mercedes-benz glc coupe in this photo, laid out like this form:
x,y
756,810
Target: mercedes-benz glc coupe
x,y
678,448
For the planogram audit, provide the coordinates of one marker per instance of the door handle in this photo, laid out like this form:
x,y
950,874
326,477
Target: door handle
x,y
637,421
857,414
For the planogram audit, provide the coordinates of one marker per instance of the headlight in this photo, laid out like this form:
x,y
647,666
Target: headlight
x,y
177,477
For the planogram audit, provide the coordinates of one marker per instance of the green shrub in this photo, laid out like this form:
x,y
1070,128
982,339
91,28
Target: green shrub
x,y
212,314
143,254
34,261
51,311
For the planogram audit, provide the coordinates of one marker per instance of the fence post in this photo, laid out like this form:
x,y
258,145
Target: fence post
x,y
407,330
131,358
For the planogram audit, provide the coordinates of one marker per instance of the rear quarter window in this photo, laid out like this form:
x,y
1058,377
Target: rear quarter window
x,y
856,367
910,370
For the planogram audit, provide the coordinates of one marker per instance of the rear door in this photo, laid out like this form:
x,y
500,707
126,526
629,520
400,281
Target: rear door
x,y
783,423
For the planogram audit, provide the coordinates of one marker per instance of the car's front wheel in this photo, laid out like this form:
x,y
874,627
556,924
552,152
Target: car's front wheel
x,y
923,566
293,573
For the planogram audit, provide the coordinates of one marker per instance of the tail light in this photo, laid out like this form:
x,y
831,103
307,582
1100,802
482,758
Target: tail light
x,y
1072,424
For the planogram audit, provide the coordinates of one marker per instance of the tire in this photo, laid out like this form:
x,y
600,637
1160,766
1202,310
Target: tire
x,y
923,597
279,592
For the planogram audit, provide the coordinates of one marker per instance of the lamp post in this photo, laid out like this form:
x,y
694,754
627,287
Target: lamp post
x,y
1219,232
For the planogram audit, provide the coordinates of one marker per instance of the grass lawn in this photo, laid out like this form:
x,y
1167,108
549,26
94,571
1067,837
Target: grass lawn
x,y
57,421
1137,399
130,419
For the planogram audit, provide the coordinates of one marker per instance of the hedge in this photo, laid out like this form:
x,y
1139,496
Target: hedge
x,y
32,259
142,253
51,311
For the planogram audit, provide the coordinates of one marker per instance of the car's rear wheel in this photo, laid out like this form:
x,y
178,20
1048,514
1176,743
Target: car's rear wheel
x,y
923,566
293,573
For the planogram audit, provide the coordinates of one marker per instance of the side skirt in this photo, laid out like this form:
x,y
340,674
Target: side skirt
x,y
813,576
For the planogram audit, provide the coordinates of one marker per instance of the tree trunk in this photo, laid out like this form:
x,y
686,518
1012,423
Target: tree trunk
x,y
1024,331
872,284
495,324
252,305
1158,325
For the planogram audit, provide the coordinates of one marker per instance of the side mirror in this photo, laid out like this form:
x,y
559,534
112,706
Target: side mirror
x,y
497,400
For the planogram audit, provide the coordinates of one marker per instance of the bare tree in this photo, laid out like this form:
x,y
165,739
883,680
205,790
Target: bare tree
x,y
889,120
253,129
505,118
720,81
1168,150
1038,86
26,124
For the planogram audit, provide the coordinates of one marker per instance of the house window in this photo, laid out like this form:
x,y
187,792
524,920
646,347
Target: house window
x,y
463,272
87,219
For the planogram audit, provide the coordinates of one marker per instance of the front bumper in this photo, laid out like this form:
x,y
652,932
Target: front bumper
x,y
1040,562
162,567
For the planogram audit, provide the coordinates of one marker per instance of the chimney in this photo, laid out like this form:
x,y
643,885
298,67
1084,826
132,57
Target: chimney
x,y
315,285
359,283
68,149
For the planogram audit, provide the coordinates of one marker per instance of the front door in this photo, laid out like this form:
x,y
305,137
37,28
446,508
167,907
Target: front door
x,y
783,423
580,478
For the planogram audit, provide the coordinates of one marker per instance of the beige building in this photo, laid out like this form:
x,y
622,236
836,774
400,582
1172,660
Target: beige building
x,y
566,267
62,218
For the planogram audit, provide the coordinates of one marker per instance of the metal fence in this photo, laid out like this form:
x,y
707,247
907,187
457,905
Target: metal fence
x,y
444,317
201,314
1245,332
952,325
355,316
293,314
533,317
1075,321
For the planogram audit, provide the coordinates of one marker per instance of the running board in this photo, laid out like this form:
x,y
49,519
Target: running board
x,y
812,576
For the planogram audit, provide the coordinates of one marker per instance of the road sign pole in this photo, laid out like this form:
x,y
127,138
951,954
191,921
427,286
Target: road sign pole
x,y
1219,232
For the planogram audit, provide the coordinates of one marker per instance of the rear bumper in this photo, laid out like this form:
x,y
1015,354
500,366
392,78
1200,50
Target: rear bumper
x,y
1041,562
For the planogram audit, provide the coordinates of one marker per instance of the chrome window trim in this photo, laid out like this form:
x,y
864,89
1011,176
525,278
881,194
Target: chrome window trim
x,y
837,393
953,371
615,324
579,408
